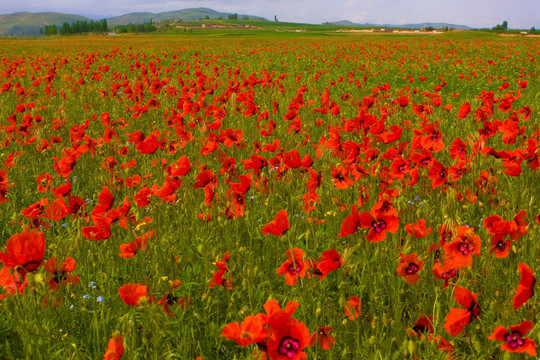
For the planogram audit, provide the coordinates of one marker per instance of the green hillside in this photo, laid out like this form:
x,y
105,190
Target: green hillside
x,y
179,15
29,24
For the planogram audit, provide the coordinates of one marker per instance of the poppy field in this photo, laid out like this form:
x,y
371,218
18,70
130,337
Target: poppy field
x,y
270,197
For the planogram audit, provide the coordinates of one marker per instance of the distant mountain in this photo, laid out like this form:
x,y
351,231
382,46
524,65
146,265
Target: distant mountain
x,y
29,24
183,15
440,25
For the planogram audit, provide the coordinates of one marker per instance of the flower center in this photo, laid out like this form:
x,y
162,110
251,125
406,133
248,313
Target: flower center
x,y
412,269
419,329
501,245
294,268
465,247
59,276
385,206
442,174
171,299
474,309
289,347
379,226
514,339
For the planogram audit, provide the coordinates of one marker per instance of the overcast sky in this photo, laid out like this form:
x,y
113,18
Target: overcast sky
x,y
474,13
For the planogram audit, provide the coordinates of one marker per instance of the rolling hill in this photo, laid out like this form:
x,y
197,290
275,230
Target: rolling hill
x,y
29,24
184,15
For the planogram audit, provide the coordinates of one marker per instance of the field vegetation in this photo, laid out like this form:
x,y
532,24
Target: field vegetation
x,y
226,195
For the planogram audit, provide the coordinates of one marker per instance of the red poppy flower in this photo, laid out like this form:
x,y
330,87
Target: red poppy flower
x,y
57,209
350,223
204,178
149,144
294,267
458,149
25,250
464,110
423,158
278,226
520,223
314,180
459,253
127,251
143,196
379,224
515,340
44,181
292,159
252,330
60,272
310,199
219,276
409,266
323,338
115,350
432,138
353,307
271,307
497,226
418,230
444,274
329,261
525,289
289,337
341,177
99,231
11,282
171,299
500,246
133,294
457,319
423,326
438,174
403,100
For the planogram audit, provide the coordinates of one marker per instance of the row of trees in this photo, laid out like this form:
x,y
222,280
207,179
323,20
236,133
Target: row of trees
x,y
78,27
504,26
235,17
135,28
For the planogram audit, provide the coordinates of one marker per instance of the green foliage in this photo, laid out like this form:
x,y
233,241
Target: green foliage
x,y
501,27
135,28
82,27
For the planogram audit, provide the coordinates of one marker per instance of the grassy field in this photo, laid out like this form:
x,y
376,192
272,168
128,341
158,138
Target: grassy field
x,y
248,194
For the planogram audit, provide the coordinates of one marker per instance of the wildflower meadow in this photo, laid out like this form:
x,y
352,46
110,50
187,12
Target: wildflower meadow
x,y
282,196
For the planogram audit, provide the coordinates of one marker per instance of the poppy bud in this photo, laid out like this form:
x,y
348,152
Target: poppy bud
x,y
385,319
492,307
411,346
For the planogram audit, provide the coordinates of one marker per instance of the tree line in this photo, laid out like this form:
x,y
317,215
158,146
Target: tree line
x,y
78,27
